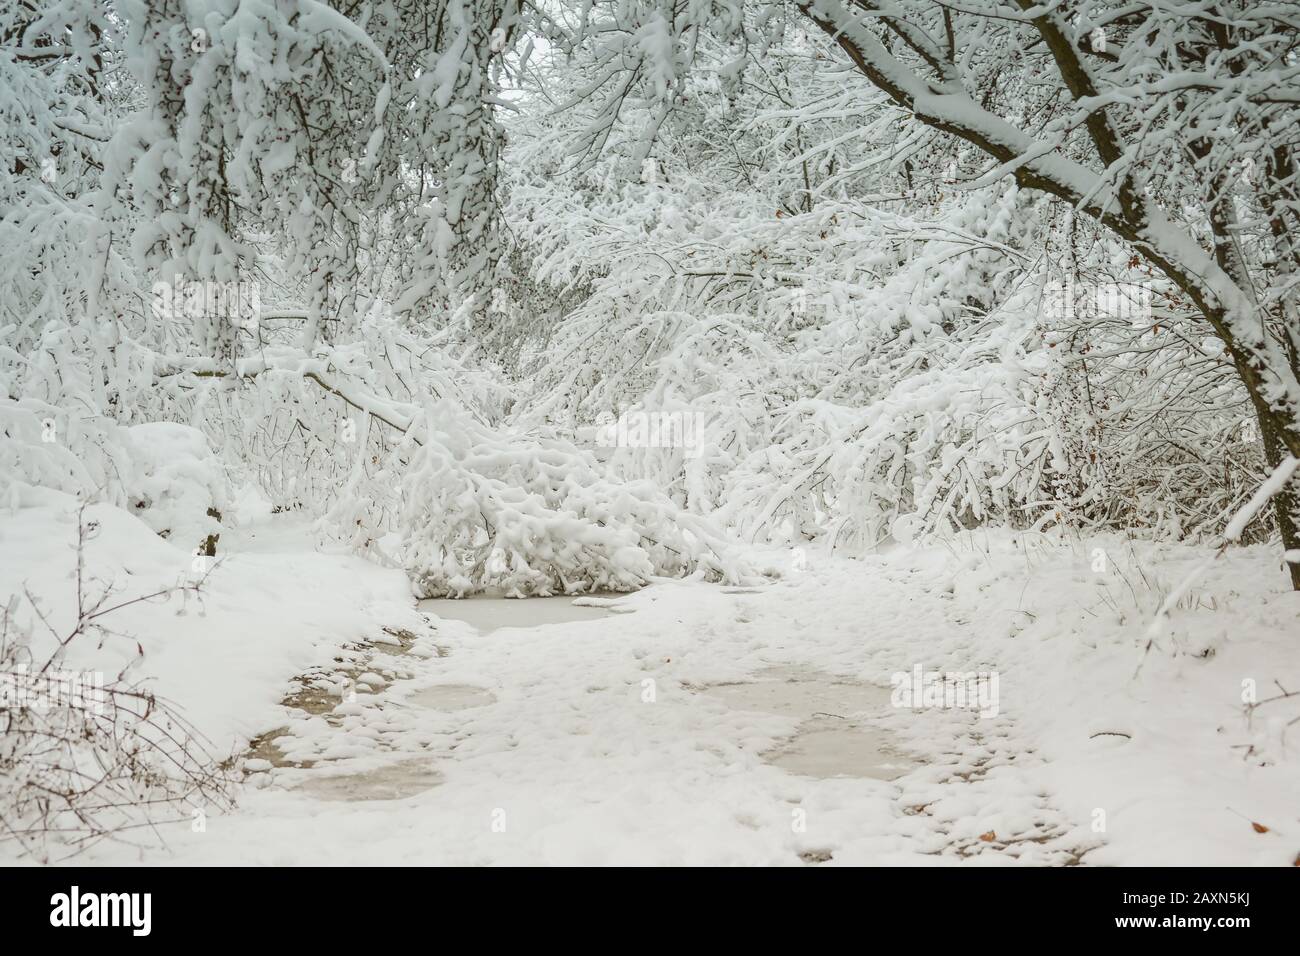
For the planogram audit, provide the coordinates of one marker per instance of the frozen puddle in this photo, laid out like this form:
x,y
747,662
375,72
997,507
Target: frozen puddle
x,y
451,697
394,782
839,752
487,613
802,696
829,742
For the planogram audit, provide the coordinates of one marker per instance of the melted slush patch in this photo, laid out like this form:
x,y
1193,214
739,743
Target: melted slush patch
x,y
451,697
394,782
829,742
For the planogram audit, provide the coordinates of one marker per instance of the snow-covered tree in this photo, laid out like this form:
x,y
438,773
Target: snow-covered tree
x,y
1173,127
1166,134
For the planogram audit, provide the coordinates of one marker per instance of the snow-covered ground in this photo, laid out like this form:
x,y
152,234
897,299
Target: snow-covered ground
x,y
699,724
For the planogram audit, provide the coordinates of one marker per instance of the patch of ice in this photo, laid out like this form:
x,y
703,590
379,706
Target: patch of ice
x,y
488,613
394,782
451,697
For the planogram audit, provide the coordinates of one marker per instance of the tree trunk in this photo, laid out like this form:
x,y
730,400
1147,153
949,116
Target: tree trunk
x,y
1286,502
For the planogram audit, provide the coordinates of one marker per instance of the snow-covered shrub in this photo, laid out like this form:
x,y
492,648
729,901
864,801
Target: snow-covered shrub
x,y
88,460
75,420
532,515
162,472
177,487
55,430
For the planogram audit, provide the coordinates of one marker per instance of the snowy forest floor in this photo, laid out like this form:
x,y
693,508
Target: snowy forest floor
x,y
691,723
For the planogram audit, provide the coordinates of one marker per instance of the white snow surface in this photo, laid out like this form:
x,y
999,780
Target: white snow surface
x,y
223,655
543,744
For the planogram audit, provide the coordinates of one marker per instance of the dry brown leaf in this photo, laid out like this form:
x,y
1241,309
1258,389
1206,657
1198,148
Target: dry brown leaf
x,y
1259,827
988,837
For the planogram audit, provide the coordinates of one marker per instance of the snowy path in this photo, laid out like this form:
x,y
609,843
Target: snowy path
x,y
660,734
692,723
